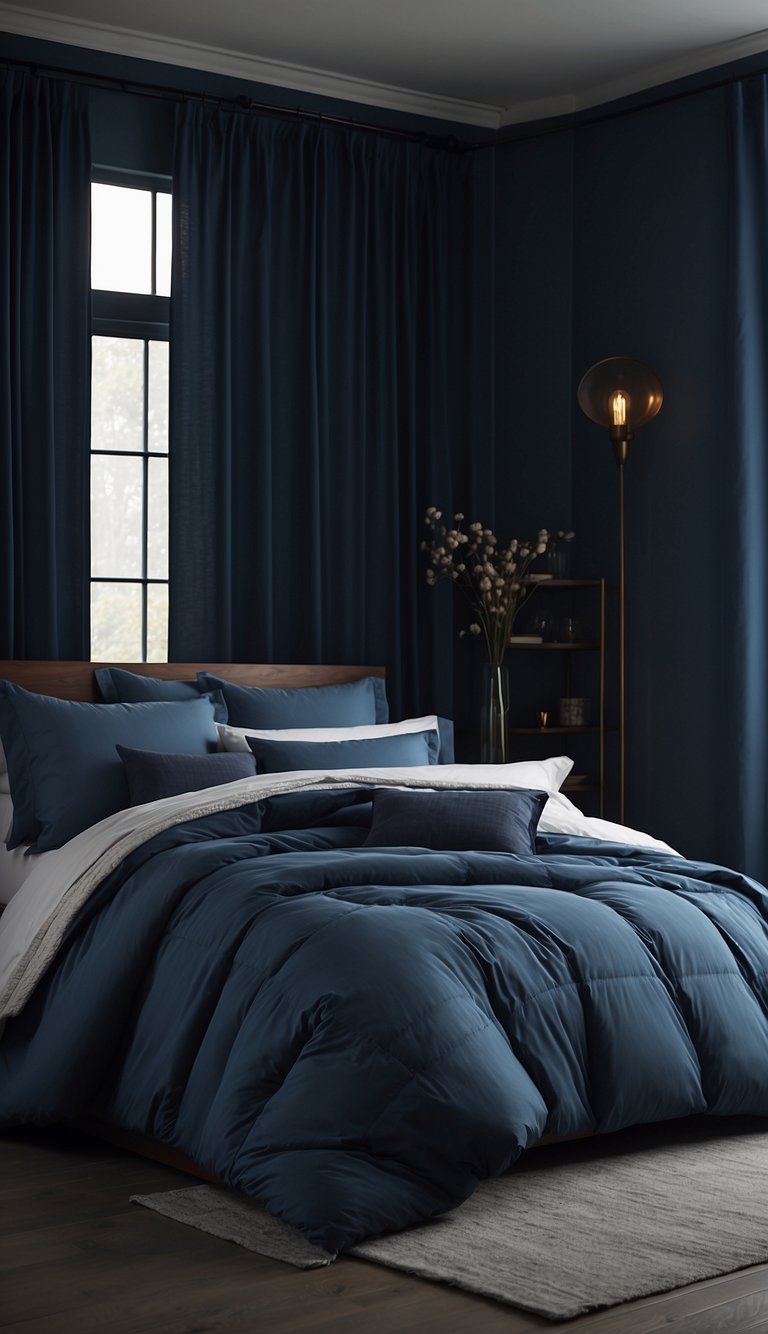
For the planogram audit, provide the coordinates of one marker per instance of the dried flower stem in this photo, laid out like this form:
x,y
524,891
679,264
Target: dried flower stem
x,y
493,578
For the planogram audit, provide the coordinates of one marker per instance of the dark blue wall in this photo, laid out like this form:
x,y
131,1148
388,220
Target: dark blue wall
x,y
649,280
622,250
534,277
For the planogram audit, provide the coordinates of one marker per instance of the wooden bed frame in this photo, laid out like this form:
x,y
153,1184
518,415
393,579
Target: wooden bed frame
x,y
76,680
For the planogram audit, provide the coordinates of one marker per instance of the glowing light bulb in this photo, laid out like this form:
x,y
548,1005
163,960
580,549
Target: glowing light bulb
x,y
619,404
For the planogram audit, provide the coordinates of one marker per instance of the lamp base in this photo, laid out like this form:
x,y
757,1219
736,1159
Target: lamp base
x,y
621,436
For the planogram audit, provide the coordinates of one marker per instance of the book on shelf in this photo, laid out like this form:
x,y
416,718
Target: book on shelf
x,y
525,639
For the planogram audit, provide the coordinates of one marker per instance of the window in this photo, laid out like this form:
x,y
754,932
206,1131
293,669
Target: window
x,y
130,280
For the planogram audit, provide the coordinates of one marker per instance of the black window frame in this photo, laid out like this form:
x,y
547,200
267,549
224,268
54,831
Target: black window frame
x,y
146,318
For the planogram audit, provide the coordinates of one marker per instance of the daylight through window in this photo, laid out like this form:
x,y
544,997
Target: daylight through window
x,y
130,278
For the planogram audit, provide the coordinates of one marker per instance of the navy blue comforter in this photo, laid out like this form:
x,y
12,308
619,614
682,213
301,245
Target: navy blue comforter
x,y
356,1036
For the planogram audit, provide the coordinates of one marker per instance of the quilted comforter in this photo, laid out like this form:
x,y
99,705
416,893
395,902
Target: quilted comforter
x,y
355,1036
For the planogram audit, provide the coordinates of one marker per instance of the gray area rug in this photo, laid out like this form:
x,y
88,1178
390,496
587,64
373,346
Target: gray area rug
x,y
573,1228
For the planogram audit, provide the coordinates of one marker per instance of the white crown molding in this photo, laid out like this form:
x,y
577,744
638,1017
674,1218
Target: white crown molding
x,y
543,108
145,46
694,62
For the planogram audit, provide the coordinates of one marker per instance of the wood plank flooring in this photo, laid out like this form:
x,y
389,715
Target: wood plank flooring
x,y
77,1258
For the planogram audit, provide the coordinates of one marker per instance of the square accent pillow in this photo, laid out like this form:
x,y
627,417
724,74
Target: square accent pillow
x,y
152,775
495,820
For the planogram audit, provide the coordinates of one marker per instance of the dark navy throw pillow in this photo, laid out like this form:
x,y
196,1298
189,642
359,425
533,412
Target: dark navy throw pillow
x,y
496,820
386,752
152,775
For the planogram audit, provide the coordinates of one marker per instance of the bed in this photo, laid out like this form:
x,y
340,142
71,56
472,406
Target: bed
x,y
337,971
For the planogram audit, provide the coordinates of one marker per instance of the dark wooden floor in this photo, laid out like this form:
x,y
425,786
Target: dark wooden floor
x,y
77,1258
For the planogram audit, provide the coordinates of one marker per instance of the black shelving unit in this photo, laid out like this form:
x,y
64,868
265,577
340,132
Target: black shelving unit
x,y
595,645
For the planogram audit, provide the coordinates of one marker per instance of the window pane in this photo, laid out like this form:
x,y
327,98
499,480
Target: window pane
x,y
158,397
157,623
116,622
157,532
116,513
117,403
121,238
163,245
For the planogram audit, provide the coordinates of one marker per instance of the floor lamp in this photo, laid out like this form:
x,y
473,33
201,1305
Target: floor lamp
x,y
621,394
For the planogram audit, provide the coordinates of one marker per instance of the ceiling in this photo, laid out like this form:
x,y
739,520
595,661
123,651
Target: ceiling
x,y
484,62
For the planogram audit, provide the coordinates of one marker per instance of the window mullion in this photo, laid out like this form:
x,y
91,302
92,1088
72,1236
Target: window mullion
x,y
153,260
145,501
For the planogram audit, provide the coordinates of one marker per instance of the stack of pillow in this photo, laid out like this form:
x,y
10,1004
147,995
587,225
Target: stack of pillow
x,y
65,765
69,764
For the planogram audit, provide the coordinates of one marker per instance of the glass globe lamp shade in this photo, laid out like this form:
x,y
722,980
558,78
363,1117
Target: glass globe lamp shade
x,y
620,392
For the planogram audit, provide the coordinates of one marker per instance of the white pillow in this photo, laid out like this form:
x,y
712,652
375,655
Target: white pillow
x,y
560,816
234,738
546,775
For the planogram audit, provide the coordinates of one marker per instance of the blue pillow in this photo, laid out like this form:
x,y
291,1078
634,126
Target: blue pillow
x,y
152,775
117,686
495,820
63,769
385,752
349,705
447,753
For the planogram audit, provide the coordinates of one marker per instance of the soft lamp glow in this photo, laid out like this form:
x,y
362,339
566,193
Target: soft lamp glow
x,y
619,404
620,391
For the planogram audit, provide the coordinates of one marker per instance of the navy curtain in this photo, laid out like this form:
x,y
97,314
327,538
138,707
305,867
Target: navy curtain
x,y
330,378
45,167
744,535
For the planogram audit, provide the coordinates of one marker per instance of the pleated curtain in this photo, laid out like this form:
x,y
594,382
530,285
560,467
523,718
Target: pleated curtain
x,y
742,597
330,378
45,168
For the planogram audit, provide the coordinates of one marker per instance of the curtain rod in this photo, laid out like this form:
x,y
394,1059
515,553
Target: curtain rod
x,y
446,143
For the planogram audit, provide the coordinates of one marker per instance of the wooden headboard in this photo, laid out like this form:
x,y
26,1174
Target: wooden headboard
x,y
75,680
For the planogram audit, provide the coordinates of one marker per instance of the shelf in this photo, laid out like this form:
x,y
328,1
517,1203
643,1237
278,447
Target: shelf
x,y
568,583
542,731
555,644
536,679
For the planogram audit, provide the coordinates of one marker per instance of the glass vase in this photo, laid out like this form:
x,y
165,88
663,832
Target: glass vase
x,y
557,562
494,714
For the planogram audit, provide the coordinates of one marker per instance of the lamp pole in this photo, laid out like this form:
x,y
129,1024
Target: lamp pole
x,y
622,394
621,436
